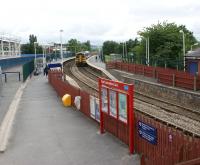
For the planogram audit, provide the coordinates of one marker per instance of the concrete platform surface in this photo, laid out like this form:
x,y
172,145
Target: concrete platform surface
x,y
47,133
8,89
97,62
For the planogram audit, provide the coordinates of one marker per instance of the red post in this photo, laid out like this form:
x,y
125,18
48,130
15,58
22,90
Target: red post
x,y
100,109
131,119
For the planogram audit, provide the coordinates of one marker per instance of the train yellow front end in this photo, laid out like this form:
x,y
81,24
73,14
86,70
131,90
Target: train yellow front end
x,y
80,59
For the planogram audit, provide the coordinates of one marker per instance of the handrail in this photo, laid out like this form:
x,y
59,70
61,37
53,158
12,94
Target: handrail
x,y
195,161
5,73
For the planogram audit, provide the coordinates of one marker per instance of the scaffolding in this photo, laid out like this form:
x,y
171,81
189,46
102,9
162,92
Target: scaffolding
x,y
9,46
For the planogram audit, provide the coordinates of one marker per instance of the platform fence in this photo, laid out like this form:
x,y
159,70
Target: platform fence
x,y
172,146
165,76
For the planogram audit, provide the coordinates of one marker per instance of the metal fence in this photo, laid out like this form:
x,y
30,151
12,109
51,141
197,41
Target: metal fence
x,y
166,76
172,145
27,69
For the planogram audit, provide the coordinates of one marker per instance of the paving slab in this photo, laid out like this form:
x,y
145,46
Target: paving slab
x,y
47,133
8,89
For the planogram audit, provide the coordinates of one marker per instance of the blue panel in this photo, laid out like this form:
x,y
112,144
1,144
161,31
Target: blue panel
x,y
193,68
55,65
147,132
10,62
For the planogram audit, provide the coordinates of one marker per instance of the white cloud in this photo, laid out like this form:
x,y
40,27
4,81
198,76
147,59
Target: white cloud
x,y
93,20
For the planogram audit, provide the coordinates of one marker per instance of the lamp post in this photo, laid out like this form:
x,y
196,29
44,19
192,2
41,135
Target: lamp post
x,y
147,50
35,52
61,52
125,52
181,31
43,61
194,45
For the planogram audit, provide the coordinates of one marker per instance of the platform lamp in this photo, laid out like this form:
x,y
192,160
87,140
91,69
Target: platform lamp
x,y
194,45
147,49
61,52
35,52
181,31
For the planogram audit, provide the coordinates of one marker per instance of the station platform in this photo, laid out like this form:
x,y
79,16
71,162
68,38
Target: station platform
x,y
97,62
8,89
45,132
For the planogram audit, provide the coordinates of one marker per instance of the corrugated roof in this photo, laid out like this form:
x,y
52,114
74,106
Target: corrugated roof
x,y
195,53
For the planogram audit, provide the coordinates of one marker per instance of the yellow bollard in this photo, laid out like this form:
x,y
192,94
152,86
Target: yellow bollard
x,y
66,99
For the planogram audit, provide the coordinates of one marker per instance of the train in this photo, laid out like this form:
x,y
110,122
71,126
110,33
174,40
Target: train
x,y
80,59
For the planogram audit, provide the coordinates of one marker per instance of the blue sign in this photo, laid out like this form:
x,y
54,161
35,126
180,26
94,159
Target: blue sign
x,y
147,132
54,65
126,88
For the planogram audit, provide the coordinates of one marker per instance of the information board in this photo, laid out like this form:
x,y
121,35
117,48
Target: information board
x,y
117,104
104,100
97,112
113,103
122,107
92,107
147,132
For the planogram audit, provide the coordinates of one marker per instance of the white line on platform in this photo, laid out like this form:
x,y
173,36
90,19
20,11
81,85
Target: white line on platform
x,y
6,125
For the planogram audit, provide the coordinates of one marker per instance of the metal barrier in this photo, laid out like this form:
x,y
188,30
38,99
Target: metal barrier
x,y
157,142
5,74
190,162
166,76
27,69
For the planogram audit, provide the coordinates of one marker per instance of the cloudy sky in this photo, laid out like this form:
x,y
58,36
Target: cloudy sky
x,y
94,20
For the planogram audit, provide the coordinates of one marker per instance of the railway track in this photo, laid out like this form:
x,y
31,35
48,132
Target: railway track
x,y
72,71
162,110
168,106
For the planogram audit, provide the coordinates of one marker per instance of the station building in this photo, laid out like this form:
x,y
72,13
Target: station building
x,y
9,46
193,62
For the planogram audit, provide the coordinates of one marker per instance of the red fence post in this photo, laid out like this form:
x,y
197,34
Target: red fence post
x,y
174,81
101,113
195,83
131,119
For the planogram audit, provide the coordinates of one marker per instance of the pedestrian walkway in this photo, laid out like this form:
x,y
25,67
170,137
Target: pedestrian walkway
x,y
47,133
8,89
97,62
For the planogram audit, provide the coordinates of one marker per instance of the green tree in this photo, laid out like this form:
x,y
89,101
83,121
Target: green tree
x,y
111,47
32,39
74,45
166,42
86,46
29,47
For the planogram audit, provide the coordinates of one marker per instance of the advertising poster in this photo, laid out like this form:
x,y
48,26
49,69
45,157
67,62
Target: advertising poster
x,y
113,104
92,107
122,107
97,112
104,100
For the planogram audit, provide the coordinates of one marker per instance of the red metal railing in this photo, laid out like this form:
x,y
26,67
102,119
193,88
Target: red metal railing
x,y
190,162
166,76
172,147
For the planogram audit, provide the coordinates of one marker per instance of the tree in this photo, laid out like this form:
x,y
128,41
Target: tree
x,y
166,43
86,46
32,39
131,44
74,45
29,48
111,47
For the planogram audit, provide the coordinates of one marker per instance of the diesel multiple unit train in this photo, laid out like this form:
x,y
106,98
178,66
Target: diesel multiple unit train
x,y
80,59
